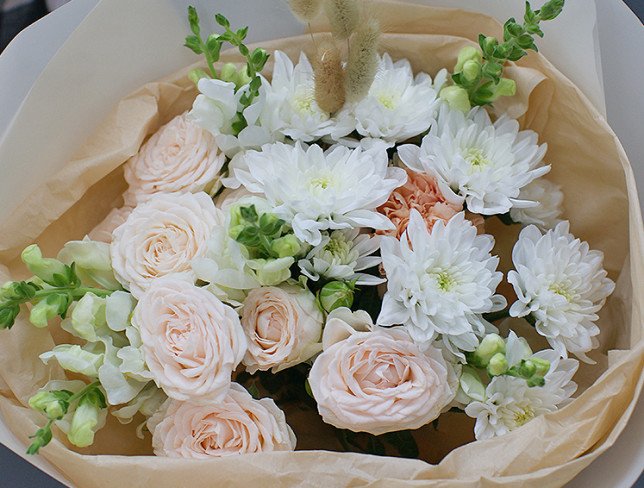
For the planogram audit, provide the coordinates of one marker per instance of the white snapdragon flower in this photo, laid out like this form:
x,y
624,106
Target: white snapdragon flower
x,y
440,283
289,106
399,105
510,403
486,163
215,109
545,215
341,255
316,190
561,283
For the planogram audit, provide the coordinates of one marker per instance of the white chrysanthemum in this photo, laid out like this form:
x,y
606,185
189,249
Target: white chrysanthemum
x,y
511,403
340,255
561,283
399,105
486,163
215,109
289,106
545,215
315,190
440,283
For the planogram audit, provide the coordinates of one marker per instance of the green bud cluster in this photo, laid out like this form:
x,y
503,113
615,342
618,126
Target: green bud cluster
x,y
490,355
265,236
336,294
478,73
56,404
211,46
54,287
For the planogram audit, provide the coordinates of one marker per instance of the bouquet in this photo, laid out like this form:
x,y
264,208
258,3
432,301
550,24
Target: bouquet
x,y
319,239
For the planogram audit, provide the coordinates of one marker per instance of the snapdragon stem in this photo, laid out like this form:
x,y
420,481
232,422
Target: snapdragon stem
x,y
76,293
78,394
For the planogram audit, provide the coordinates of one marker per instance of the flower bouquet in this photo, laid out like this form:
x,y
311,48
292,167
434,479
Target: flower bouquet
x,y
328,248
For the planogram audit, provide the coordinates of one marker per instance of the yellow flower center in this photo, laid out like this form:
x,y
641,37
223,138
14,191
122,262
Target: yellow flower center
x,y
320,182
561,290
523,415
445,281
476,158
387,101
303,103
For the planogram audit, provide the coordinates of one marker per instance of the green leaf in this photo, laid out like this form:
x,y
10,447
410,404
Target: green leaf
x,y
8,314
269,225
254,391
193,20
249,213
222,21
213,45
194,43
239,124
244,50
242,33
551,9
255,84
249,237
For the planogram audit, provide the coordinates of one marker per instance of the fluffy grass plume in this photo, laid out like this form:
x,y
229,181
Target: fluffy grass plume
x,y
363,59
343,15
305,10
329,77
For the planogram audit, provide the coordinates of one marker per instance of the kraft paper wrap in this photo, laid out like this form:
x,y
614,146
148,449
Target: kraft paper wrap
x,y
600,201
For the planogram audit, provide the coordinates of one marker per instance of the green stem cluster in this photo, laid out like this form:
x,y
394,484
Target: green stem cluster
x,y
480,73
211,46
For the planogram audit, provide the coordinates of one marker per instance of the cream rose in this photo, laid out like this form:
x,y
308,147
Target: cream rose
x,y
180,158
192,342
283,326
236,425
162,236
103,231
376,380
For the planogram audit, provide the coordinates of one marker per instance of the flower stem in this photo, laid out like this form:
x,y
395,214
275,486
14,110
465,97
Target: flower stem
x,y
76,293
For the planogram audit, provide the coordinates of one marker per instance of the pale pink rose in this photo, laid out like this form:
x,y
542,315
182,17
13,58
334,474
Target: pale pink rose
x,y
180,157
103,231
423,193
236,425
192,342
162,236
283,327
376,380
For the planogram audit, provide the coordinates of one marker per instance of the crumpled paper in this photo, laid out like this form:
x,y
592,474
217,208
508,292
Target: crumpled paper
x,y
600,201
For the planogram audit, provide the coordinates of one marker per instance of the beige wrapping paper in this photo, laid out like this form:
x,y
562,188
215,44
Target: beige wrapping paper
x,y
601,203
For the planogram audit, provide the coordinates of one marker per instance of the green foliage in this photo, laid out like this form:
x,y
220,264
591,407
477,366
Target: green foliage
x,y
56,404
482,77
211,49
51,293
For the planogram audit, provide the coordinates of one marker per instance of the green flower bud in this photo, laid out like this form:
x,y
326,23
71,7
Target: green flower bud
x,y
271,272
488,44
53,404
84,423
46,310
336,294
456,97
536,381
490,345
471,70
196,74
242,77
505,88
43,268
468,53
498,365
286,246
527,369
542,365
229,73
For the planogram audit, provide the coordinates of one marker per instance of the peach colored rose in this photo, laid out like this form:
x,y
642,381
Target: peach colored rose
x,y
192,342
238,424
283,327
376,380
162,236
424,193
103,231
180,157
